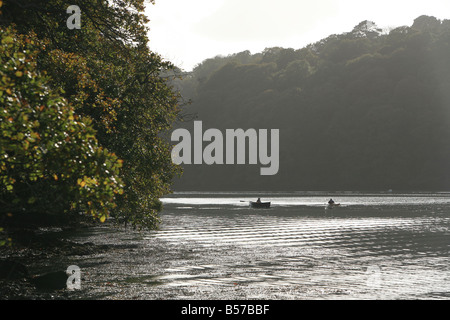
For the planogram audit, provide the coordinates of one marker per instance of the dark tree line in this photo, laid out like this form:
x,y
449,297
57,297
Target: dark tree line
x,y
363,110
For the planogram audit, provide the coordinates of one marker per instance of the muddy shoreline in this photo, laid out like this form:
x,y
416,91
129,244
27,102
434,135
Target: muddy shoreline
x,y
31,266
115,265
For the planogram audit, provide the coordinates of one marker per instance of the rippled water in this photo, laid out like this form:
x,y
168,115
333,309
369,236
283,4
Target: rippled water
x,y
213,246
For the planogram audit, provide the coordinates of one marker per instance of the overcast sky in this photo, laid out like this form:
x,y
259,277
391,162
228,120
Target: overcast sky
x,y
187,32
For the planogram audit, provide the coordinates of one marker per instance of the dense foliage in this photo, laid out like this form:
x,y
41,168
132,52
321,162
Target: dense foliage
x,y
367,109
108,82
50,156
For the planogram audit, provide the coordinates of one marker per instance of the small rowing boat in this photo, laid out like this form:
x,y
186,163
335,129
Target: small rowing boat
x,y
259,205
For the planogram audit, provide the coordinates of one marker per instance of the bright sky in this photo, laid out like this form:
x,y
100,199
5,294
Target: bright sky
x,y
187,32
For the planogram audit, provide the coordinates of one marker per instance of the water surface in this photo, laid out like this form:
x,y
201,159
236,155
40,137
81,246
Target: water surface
x,y
213,246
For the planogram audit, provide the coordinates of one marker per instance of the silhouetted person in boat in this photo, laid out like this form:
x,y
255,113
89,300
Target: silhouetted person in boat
x,y
259,200
331,202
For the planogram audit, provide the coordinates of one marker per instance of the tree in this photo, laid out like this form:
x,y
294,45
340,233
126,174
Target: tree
x,y
426,23
50,159
109,75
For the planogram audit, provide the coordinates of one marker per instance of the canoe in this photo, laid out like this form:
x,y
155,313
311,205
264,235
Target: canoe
x,y
331,206
259,204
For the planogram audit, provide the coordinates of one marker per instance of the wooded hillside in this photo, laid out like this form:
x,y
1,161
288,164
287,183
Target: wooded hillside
x,y
364,110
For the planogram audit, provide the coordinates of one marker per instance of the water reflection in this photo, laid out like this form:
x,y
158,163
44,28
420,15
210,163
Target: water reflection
x,y
304,253
215,247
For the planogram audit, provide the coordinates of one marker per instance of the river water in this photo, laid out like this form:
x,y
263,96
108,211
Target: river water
x,y
213,246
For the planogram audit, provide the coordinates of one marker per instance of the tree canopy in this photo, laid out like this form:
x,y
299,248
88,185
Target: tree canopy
x,y
365,110
102,104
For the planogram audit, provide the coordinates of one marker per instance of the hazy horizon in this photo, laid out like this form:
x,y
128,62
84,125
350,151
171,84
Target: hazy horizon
x,y
188,33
